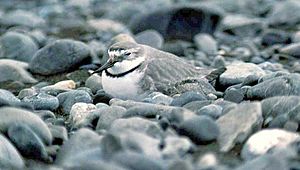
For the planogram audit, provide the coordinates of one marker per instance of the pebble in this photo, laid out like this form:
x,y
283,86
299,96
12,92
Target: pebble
x,y
11,70
102,97
109,115
27,142
187,97
7,97
151,38
59,57
68,99
263,141
42,101
206,43
175,147
12,115
10,158
59,133
137,124
158,98
79,113
238,124
237,72
94,82
291,49
275,37
200,130
234,95
17,46
212,110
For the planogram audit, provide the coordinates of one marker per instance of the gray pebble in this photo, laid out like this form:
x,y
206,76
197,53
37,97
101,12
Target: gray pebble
x,y
28,143
68,99
212,110
186,98
94,82
59,133
200,130
42,101
109,115
10,115
151,38
17,46
234,95
206,43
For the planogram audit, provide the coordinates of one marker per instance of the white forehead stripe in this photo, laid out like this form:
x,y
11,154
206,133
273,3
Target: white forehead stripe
x,y
121,52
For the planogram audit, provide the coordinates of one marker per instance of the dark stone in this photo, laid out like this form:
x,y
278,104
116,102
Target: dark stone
x,y
187,97
102,97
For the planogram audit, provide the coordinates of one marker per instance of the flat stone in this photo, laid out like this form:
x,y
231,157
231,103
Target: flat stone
x,y
238,124
186,98
109,115
263,141
237,72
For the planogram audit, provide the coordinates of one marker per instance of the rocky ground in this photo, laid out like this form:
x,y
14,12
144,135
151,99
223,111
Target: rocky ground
x,y
55,115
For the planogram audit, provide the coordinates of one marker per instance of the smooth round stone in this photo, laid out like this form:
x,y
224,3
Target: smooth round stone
x,y
291,126
212,110
279,121
79,113
151,38
68,99
291,49
200,130
206,43
80,142
186,98
22,18
59,56
109,115
275,37
45,114
237,72
158,98
8,96
234,95
17,46
197,105
102,97
28,142
9,156
94,82
265,140
60,87
137,124
218,62
42,101
137,161
59,133
10,115
11,70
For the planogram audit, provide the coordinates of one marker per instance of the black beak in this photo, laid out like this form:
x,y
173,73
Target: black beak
x,y
105,66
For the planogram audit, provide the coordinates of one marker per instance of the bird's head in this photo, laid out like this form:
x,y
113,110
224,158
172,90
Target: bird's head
x,y
122,52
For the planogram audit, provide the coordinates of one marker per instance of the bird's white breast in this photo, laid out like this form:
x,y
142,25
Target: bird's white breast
x,y
126,87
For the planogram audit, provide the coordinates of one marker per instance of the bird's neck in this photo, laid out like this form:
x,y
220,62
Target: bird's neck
x,y
125,66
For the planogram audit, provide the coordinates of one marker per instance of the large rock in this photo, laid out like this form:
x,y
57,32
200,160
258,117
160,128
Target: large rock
x,y
9,156
284,85
238,124
59,56
263,141
10,115
181,22
18,46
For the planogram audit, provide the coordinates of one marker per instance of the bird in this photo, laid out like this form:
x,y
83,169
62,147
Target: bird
x,y
132,71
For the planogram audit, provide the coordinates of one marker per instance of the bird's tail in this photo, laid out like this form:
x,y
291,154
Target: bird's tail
x,y
213,76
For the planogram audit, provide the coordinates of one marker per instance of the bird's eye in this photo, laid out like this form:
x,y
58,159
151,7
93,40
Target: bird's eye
x,y
127,53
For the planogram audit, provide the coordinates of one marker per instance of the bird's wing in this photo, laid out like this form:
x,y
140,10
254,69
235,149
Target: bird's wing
x,y
164,69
